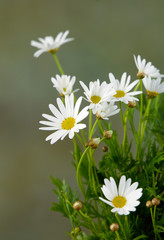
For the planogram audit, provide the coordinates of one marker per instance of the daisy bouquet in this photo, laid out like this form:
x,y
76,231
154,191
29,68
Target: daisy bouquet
x,y
120,196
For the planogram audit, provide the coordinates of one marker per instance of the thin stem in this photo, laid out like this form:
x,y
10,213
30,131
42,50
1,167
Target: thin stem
x,y
80,140
121,114
117,235
75,150
124,122
143,126
93,128
139,146
90,123
120,224
79,180
58,64
153,221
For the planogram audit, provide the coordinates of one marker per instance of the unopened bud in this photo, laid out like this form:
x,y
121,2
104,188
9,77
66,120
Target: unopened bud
x,y
86,144
155,201
149,204
140,75
132,104
108,134
114,227
94,143
104,148
77,205
76,231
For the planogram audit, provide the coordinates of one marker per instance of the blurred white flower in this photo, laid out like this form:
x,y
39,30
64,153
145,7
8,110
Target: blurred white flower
x,y
97,93
124,199
106,110
146,69
122,88
153,86
65,120
49,44
64,84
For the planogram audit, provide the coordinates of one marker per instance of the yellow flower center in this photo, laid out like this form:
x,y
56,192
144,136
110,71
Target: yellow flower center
x,y
151,94
119,94
68,123
95,99
52,51
64,89
119,201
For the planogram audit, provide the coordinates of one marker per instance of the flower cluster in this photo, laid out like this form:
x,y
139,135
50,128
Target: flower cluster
x,y
103,100
151,77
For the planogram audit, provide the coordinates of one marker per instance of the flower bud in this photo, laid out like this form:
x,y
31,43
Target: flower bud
x,y
104,148
140,75
77,205
132,104
94,143
114,227
155,201
76,231
108,134
149,204
86,144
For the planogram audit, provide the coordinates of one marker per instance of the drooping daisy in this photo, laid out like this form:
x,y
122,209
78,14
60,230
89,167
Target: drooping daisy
x,y
125,198
122,88
65,120
146,69
97,93
64,84
153,86
49,44
106,110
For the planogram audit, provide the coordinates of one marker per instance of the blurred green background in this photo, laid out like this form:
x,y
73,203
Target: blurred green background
x,y
107,33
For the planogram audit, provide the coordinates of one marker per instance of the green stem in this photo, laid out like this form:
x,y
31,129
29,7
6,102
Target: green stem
x,y
124,123
139,146
143,125
79,180
120,224
79,138
136,87
75,151
117,235
153,220
90,123
121,114
58,64
93,128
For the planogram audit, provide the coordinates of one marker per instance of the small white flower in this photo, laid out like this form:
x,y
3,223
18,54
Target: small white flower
x,y
146,69
124,199
64,84
153,86
65,120
106,110
122,88
49,44
97,93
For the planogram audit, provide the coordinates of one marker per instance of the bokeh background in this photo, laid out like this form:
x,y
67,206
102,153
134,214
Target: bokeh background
x,y
107,33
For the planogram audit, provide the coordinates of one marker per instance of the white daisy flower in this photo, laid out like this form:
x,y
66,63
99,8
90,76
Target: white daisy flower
x,y
64,84
106,110
122,88
49,44
125,198
97,93
153,86
65,120
146,69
